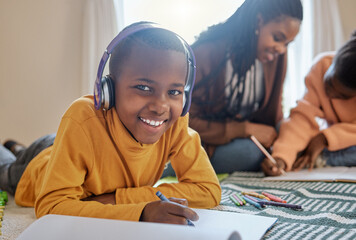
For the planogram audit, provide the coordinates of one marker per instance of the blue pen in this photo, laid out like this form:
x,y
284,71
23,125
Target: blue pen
x,y
163,198
255,204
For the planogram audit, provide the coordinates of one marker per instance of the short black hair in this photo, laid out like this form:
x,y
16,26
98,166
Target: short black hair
x,y
157,38
345,62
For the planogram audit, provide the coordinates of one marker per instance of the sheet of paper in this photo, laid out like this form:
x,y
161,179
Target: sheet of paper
x,y
248,226
348,176
212,225
318,174
59,227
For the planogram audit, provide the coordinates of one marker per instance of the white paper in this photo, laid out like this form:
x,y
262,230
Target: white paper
x,y
345,174
248,226
211,225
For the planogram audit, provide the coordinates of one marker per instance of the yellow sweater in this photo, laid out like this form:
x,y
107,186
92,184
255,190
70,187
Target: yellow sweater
x,y
301,126
93,153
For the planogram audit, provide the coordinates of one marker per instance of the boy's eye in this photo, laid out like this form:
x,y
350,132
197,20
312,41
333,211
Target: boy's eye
x,y
143,87
174,92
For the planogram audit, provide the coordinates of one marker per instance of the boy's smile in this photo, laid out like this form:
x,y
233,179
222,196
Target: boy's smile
x,y
149,91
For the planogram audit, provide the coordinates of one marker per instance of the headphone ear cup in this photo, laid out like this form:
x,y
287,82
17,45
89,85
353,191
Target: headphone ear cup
x,y
188,88
186,103
108,92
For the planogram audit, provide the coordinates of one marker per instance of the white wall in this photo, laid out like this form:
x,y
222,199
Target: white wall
x,y
348,16
40,54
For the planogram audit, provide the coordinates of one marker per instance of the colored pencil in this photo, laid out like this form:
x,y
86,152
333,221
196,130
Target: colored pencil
x,y
253,203
265,152
274,198
254,194
234,200
240,197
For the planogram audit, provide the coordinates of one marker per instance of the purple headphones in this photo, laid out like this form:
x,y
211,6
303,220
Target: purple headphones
x,y
104,93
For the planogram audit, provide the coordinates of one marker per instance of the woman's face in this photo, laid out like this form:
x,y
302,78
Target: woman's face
x,y
274,37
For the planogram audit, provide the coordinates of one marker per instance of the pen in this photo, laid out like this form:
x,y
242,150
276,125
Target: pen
x,y
163,198
279,204
274,198
265,152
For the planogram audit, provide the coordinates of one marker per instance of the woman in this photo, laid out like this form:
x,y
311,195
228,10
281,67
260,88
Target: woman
x,y
241,66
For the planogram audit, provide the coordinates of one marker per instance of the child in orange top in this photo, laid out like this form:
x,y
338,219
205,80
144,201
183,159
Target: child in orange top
x,y
107,156
330,98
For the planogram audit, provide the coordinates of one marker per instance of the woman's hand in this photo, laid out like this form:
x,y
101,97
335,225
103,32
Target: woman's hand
x,y
265,134
271,169
314,148
175,211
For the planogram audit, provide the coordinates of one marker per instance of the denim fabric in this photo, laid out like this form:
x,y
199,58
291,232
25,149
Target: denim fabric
x,y
343,157
6,159
239,155
12,167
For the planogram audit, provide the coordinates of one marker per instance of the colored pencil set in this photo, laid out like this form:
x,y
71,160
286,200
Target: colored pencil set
x,y
260,200
3,201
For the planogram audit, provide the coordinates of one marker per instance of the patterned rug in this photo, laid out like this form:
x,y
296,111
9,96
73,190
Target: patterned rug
x,y
329,209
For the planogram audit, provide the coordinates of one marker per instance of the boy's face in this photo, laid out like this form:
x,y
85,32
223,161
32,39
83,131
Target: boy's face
x,y
336,89
149,91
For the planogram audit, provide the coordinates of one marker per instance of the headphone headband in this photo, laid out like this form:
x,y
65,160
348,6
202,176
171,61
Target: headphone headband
x,y
99,97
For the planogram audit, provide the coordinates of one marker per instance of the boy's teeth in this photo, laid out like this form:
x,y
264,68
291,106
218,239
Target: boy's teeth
x,y
152,122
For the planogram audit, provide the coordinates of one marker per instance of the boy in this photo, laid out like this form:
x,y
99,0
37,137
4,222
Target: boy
x,y
330,98
104,162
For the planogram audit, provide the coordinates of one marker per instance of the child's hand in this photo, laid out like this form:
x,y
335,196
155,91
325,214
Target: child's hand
x,y
168,212
180,201
271,169
314,148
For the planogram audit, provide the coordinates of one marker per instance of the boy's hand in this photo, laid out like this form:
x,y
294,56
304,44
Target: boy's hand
x,y
271,169
180,201
314,148
168,212
265,134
